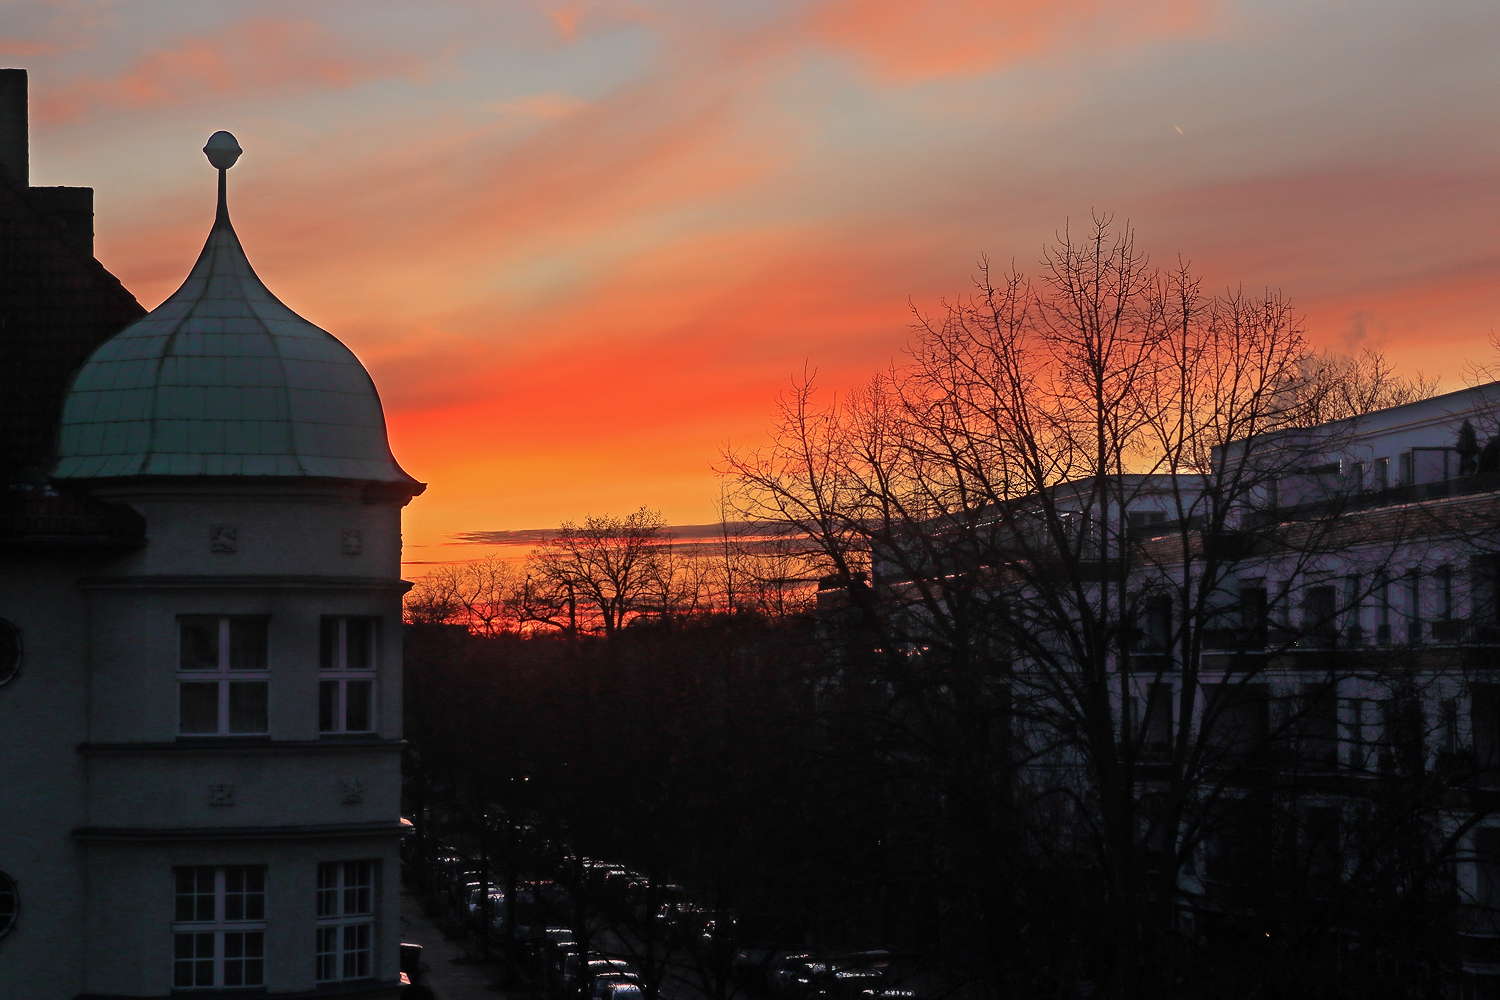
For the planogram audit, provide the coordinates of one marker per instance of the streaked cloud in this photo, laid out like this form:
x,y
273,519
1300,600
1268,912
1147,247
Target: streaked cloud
x,y
582,244
923,39
269,57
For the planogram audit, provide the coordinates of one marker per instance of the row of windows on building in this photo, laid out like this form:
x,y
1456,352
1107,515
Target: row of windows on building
x,y
219,929
224,675
1372,732
1383,608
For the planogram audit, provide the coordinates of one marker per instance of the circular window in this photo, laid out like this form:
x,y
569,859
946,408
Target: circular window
x,y
10,902
10,651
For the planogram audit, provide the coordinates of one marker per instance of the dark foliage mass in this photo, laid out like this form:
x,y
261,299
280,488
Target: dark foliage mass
x,y
710,751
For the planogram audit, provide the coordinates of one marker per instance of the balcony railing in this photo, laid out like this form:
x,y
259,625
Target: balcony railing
x,y
1276,638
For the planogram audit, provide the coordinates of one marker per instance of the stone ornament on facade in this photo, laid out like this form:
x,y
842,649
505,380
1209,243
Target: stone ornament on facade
x,y
353,791
352,541
224,539
221,793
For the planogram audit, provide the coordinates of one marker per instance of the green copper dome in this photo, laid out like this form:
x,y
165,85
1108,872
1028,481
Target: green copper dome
x,y
221,379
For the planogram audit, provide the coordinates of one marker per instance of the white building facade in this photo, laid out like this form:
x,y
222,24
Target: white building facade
x,y
200,714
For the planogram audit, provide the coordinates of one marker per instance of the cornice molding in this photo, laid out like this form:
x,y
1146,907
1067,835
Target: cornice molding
x,y
305,831
245,582
209,746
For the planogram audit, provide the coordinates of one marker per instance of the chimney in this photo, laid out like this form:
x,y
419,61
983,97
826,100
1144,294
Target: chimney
x,y
71,210
14,154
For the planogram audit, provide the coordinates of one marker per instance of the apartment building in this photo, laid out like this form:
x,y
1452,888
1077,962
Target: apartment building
x,y
200,645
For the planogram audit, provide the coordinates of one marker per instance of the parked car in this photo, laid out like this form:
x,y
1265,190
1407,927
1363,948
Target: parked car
x,y
601,987
642,894
841,984
622,991
560,939
785,968
601,966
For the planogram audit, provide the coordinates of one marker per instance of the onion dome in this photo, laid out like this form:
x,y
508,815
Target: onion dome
x,y
221,379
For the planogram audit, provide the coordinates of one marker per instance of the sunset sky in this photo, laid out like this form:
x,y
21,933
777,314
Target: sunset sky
x,y
581,245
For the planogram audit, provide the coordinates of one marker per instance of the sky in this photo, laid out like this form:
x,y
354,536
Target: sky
x,y
582,245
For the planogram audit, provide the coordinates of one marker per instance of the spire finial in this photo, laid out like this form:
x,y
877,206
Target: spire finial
x,y
222,149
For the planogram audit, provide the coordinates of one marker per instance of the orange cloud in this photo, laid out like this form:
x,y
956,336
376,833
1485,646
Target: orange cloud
x,y
18,49
565,19
265,56
925,39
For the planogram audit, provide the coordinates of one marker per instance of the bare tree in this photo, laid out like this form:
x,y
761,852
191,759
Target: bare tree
x,y
612,569
482,595
1045,516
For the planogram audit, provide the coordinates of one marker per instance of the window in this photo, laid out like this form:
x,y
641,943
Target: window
x,y
1484,723
1319,723
1318,624
222,674
1353,611
1156,631
1382,608
1239,841
346,694
10,651
1255,617
1382,473
1360,720
1413,606
346,920
1487,895
220,927
1431,465
1236,717
10,904
1139,520
1156,728
1484,609
1447,731
1323,843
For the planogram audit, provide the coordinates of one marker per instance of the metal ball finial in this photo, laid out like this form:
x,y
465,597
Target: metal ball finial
x,y
222,150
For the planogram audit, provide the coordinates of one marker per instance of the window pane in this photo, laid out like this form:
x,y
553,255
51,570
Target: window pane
x,y
328,952
245,893
328,890
247,706
358,880
357,714
247,644
193,963
359,644
255,894
198,643
356,951
195,894
200,707
328,644
244,954
328,706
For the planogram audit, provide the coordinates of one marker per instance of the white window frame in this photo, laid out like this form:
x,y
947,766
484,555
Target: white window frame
x,y
246,970
224,675
345,943
335,674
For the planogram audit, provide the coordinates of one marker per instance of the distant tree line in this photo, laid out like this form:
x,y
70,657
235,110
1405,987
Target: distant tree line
x,y
597,577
